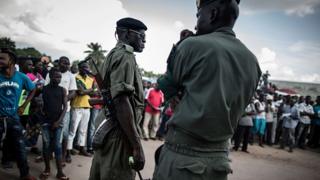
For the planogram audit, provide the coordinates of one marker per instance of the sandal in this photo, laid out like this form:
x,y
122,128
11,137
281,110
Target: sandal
x,y
62,177
44,175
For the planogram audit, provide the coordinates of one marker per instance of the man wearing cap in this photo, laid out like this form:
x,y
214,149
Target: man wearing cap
x,y
12,83
122,76
216,75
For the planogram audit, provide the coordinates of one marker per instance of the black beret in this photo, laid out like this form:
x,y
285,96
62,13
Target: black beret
x,y
131,23
204,2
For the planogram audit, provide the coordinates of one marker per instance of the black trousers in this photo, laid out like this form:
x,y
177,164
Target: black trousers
x,y
268,135
278,131
315,137
242,134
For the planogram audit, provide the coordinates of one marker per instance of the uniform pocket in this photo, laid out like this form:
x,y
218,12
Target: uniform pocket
x,y
194,167
220,165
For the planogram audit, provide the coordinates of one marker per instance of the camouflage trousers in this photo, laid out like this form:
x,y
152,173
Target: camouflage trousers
x,y
182,163
111,162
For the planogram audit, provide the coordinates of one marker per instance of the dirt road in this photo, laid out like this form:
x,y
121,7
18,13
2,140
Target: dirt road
x,y
267,163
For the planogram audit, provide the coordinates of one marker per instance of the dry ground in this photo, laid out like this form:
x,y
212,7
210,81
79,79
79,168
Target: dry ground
x,y
262,163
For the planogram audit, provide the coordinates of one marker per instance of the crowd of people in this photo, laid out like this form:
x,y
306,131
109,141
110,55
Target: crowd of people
x,y
273,119
56,105
53,101
58,108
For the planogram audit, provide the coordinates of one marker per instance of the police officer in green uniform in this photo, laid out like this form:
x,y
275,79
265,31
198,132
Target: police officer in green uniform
x,y
215,75
111,162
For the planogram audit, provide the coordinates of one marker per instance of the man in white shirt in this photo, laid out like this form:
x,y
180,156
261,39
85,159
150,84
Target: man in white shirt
x,y
68,82
306,111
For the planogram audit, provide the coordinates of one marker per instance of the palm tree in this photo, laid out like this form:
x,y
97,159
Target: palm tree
x,y
96,53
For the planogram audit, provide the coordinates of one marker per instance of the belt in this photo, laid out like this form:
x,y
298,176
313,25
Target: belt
x,y
186,150
177,136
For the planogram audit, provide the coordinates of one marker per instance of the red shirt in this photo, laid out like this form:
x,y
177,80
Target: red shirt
x,y
155,98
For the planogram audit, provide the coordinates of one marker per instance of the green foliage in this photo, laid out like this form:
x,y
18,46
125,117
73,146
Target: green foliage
x,y
20,52
96,53
30,51
6,42
149,74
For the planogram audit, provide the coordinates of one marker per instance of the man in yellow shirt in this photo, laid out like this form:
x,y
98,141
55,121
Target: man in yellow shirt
x,y
80,110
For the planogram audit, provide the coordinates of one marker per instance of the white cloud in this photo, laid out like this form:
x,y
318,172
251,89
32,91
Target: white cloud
x,y
65,28
61,27
285,68
178,25
267,59
291,7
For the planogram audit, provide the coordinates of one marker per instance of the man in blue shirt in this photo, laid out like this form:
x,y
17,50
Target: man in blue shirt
x,y
12,83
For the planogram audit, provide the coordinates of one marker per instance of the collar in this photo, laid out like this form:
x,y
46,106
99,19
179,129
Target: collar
x,y
127,47
226,30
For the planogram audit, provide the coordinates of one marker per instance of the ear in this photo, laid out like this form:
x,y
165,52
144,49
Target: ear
x,y
213,14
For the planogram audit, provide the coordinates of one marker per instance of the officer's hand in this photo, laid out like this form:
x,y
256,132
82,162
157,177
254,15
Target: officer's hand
x,y
138,157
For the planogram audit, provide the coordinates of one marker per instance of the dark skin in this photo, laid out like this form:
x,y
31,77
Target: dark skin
x,y
83,71
64,65
155,86
308,100
27,66
55,79
7,69
122,104
216,15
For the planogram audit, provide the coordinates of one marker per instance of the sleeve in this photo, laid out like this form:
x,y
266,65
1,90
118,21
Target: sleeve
x,y
170,83
47,80
73,83
122,75
28,84
148,93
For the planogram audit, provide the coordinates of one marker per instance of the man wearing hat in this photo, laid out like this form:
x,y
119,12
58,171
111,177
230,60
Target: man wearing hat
x,y
12,83
216,76
122,76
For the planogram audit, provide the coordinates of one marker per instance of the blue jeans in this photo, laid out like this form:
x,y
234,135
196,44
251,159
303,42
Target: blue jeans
x,y
52,140
66,125
15,133
91,127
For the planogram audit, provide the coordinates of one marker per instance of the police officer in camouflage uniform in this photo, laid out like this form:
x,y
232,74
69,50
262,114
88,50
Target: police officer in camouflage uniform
x,y
111,162
215,76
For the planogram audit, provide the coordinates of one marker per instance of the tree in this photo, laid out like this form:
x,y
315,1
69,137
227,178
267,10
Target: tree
x,y
96,53
29,51
6,42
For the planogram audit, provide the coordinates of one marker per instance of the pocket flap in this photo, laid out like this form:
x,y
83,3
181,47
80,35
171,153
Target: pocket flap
x,y
195,167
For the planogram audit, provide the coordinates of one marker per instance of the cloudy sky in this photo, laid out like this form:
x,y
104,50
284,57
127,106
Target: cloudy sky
x,y
282,34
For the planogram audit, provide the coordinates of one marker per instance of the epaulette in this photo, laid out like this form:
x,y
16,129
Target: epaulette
x,y
128,48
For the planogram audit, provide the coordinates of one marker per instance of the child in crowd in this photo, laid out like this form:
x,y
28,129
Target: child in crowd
x,y
55,107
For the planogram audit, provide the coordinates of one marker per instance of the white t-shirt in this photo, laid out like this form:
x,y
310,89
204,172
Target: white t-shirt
x,y
270,114
68,81
262,107
303,107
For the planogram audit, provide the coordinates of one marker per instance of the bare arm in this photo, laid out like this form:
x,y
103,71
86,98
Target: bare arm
x,y
124,114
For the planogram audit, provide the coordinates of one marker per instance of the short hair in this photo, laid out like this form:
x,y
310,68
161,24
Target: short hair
x,y
53,70
81,63
63,57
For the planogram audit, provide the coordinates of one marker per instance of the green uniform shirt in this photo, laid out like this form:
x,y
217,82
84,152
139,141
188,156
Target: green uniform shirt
x,y
217,75
125,76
